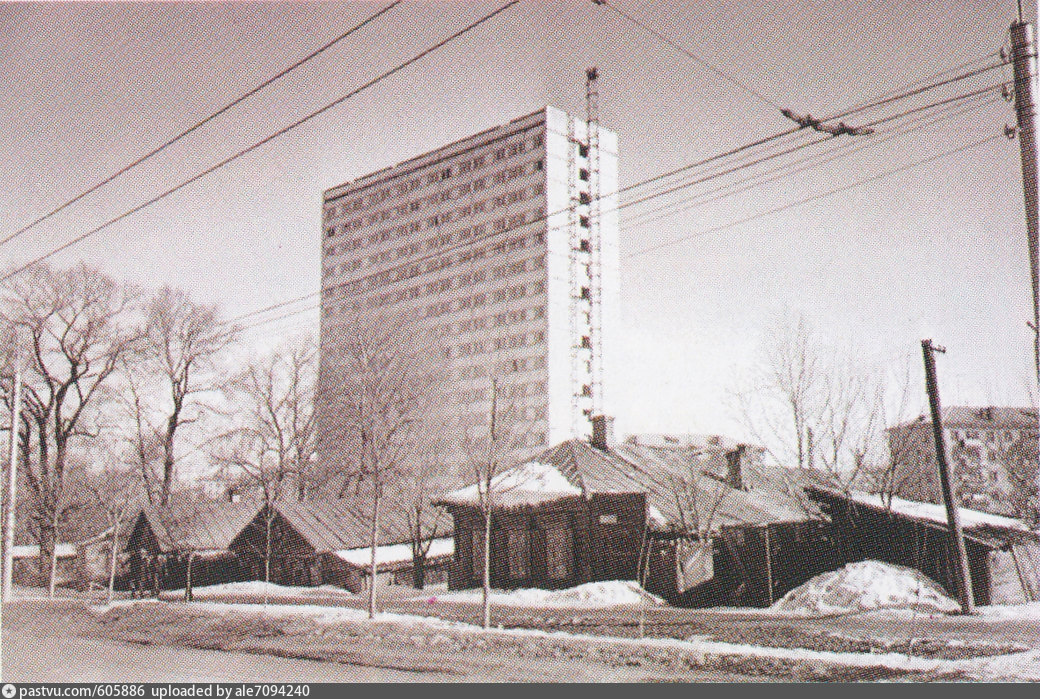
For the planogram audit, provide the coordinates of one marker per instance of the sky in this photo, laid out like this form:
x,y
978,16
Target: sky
x,y
935,251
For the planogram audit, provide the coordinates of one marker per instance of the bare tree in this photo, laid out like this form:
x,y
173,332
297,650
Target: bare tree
x,y
783,396
273,444
75,324
381,390
116,489
183,342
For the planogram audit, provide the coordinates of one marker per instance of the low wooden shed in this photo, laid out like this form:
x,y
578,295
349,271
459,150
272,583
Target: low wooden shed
x,y
1003,553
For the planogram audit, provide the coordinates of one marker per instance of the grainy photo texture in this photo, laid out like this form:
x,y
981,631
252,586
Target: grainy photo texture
x,y
518,341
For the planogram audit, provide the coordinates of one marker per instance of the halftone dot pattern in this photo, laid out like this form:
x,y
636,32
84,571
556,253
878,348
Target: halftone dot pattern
x,y
779,266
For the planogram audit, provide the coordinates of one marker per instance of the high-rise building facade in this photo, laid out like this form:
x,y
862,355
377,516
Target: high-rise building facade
x,y
504,248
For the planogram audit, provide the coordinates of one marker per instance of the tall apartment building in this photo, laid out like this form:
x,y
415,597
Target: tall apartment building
x,y
502,251
992,450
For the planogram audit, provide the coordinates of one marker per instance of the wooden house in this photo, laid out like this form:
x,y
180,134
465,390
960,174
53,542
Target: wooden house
x,y
326,542
186,545
1003,553
581,512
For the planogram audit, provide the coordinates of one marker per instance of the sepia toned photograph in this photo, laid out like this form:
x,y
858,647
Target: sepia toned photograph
x,y
517,341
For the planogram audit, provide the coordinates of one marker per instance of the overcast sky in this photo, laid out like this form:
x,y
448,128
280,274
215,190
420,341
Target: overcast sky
x,y
937,251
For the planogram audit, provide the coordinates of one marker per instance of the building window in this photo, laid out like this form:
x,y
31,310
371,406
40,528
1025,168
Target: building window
x,y
583,175
583,150
584,198
559,552
519,554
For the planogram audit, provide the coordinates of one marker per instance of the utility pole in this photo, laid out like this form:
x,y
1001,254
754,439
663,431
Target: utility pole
x,y
964,591
12,487
1023,57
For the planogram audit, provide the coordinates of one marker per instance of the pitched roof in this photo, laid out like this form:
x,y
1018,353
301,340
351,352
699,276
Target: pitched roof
x,y
985,417
205,526
654,470
331,525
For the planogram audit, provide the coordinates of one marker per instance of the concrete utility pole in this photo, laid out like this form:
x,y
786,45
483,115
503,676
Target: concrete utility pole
x,y
1023,57
12,488
964,591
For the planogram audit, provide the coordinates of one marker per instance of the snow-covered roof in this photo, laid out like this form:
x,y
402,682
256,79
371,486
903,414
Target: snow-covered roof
x,y
937,513
33,551
529,484
395,553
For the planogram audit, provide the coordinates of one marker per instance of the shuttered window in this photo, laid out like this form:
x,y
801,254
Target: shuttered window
x,y
559,552
519,554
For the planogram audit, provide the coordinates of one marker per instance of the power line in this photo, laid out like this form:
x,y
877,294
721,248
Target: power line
x,y
689,54
806,163
399,67
468,243
815,197
199,124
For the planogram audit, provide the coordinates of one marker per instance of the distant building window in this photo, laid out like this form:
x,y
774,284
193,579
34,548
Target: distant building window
x,y
583,150
559,552
583,175
584,198
519,554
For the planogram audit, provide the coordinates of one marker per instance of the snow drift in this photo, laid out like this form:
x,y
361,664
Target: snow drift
x,y
865,586
258,588
594,594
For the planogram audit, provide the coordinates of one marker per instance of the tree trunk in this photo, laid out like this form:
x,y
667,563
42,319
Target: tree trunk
x,y
269,525
187,583
373,542
419,571
112,561
53,537
487,569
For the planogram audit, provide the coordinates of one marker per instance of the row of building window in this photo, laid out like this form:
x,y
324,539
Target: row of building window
x,y
520,365
497,344
505,392
441,219
447,284
412,270
441,174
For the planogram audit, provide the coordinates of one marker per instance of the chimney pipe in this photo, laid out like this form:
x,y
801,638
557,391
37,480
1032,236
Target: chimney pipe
x,y
734,467
603,432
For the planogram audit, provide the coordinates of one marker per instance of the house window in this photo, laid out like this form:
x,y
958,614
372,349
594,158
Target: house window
x,y
559,553
519,554
478,554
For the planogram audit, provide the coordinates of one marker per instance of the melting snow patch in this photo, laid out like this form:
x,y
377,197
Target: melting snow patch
x,y
865,586
258,588
594,594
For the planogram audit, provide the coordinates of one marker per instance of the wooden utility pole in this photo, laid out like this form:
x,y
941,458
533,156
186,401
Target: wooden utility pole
x,y
1023,58
964,591
12,488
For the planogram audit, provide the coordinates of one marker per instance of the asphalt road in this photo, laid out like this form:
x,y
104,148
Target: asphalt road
x,y
60,641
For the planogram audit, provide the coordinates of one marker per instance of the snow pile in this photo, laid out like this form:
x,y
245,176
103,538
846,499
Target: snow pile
x,y
396,553
937,513
258,588
528,484
864,586
590,595
1030,611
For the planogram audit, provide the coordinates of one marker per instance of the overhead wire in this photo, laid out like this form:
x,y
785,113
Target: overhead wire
x,y
815,197
841,150
199,124
267,139
468,243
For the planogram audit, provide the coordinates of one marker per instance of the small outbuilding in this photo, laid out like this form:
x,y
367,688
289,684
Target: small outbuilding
x,y
1003,553
326,542
186,545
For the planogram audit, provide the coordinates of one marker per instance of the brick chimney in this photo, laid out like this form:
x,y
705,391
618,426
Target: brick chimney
x,y
734,467
603,432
